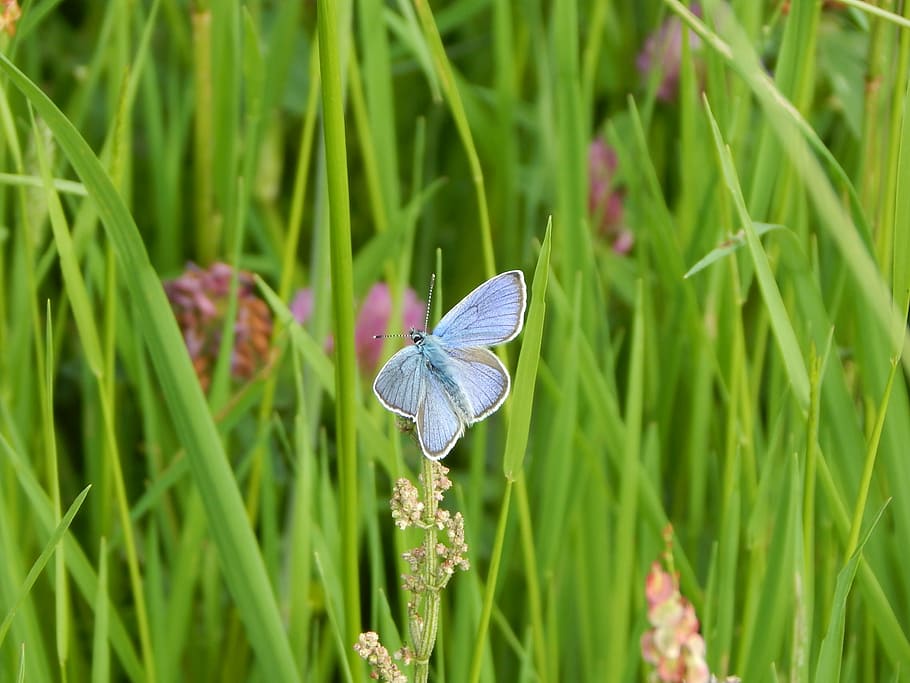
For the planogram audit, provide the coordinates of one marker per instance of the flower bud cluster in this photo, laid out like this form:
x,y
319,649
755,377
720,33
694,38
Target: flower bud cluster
x,y
377,656
673,645
430,567
407,508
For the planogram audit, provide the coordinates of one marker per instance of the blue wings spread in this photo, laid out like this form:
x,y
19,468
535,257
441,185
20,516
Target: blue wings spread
x,y
400,384
449,381
439,425
491,314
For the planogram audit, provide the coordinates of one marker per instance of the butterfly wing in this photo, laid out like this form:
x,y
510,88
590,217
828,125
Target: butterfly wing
x,y
400,385
439,426
491,314
482,376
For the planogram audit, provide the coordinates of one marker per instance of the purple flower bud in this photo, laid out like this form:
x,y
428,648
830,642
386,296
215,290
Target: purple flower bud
x,y
663,51
302,305
605,199
199,299
372,319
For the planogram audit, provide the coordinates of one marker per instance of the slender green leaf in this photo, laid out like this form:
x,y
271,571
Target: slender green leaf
x,y
828,668
526,374
341,265
100,653
730,246
240,558
42,560
780,320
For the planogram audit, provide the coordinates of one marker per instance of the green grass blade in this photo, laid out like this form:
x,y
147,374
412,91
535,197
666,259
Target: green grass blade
x,y
780,321
29,626
240,559
480,638
774,583
78,565
61,587
377,69
456,105
516,440
869,463
316,360
879,12
900,262
334,608
208,240
526,373
343,310
627,521
795,132
101,666
730,246
20,675
573,236
42,560
828,669
72,276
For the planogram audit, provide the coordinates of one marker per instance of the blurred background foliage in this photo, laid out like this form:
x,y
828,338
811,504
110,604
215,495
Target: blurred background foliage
x,y
722,350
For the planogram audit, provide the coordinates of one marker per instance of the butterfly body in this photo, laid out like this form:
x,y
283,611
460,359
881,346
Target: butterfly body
x,y
447,380
438,362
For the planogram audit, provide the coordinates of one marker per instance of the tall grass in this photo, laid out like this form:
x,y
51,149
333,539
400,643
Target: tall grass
x,y
737,375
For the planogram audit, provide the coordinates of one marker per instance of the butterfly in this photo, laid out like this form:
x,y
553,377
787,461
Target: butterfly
x,y
447,381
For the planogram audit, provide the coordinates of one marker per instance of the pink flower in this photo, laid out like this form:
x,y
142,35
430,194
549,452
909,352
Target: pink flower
x,y
605,199
302,305
199,299
372,319
10,16
673,644
663,51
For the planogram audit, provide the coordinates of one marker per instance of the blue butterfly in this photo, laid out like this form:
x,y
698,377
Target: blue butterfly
x,y
447,381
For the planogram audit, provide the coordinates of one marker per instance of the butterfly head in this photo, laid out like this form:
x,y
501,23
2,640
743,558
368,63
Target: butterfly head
x,y
417,336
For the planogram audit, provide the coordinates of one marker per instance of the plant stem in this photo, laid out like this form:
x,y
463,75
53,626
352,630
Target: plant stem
x,y
342,269
206,238
430,599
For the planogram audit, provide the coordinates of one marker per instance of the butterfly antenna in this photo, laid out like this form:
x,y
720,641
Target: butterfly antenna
x,y
426,321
